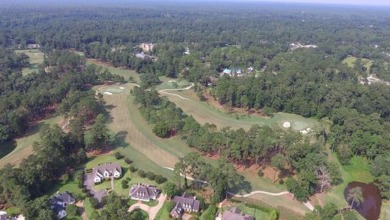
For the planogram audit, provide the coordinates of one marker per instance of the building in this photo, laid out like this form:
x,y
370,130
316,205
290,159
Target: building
x,y
59,203
234,214
184,203
144,193
105,171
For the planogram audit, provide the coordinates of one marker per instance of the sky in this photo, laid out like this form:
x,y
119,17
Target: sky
x,y
344,2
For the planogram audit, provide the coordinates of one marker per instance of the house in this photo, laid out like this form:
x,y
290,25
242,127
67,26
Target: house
x,y
144,192
33,46
105,171
184,203
234,214
59,203
3,215
227,72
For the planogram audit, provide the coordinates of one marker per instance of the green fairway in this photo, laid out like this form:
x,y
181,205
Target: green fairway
x,y
126,73
23,147
350,61
168,83
35,57
205,113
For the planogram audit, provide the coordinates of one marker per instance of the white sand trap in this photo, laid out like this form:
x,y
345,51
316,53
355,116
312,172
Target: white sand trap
x,y
304,132
107,93
172,81
286,124
122,87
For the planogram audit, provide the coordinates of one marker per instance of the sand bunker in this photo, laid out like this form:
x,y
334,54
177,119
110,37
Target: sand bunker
x,y
305,131
107,93
286,124
122,87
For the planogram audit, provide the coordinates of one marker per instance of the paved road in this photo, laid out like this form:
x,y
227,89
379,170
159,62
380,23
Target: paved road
x,y
152,211
88,182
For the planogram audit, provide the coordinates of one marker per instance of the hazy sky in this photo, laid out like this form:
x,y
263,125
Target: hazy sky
x,y
353,2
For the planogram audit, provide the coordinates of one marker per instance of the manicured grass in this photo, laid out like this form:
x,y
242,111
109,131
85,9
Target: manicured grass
x,y
205,113
73,218
350,61
35,57
71,186
105,185
24,144
358,170
169,83
385,211
163,213
88,208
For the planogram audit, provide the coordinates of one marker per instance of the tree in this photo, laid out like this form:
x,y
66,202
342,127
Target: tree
x,y
355,196
273,215
278,163
170,189
98,135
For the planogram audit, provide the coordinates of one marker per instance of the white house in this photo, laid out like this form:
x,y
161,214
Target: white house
x,y
105,171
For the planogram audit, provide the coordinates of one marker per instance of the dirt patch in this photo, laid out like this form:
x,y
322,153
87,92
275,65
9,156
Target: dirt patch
x,y
104,151
211,101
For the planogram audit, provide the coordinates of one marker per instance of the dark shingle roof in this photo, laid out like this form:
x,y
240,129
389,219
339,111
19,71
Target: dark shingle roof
x,y
187,200
110,167
236,214
144,192
65,197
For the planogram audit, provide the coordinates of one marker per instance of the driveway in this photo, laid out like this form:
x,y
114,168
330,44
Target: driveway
x,y
152,211
88,183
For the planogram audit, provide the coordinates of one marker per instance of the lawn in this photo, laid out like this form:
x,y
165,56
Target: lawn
x,y
70,186
350,61
35,57
23,146
163,213
205,113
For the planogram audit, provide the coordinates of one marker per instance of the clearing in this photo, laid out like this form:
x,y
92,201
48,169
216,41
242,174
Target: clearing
x,y
36,58
351,60
22,148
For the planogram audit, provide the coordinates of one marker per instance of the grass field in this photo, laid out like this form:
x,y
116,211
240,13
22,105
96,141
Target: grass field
x,y
36,58
350,61
126,73
205,113
22,148
163,213
168,83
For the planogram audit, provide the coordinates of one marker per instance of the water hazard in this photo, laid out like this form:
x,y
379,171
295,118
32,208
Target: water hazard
x,y
370,207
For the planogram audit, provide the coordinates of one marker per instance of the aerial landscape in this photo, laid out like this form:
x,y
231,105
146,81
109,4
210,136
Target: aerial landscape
x,y
181,109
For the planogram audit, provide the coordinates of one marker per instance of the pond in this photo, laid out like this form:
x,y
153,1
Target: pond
x,y
371,206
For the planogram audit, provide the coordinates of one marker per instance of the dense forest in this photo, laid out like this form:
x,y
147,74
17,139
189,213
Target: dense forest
x,y
199,44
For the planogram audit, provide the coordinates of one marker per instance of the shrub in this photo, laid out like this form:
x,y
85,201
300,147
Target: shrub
x,y
128,179
128,161
125,185
132,169
94,203
80,184
160,179
281,181
84,190
150,175
124,182
88,194
260,173
141,173
118,155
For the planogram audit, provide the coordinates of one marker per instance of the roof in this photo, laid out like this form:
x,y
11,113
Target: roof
x,y
3,215
227,71
65,197
144,192
185,200
110,167
236,214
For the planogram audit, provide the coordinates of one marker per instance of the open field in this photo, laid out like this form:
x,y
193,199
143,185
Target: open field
x,y
350,61
22,148
36,58
205,113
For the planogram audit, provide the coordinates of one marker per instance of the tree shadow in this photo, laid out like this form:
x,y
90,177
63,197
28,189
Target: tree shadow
x,y
242,187
7,147
120,139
